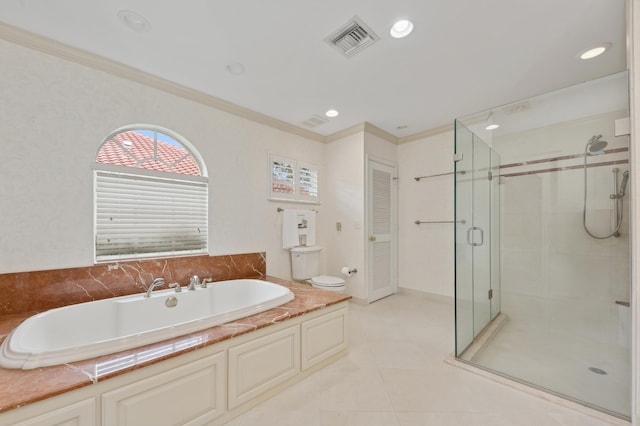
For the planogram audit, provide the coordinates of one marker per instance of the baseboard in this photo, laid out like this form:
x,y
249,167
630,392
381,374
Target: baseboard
x,y
431,296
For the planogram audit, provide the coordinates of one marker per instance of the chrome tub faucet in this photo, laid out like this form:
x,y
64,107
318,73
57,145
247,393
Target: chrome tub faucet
x,y
193,282
157,282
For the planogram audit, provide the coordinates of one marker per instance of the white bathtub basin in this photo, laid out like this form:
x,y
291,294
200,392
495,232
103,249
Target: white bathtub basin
x,y
91,329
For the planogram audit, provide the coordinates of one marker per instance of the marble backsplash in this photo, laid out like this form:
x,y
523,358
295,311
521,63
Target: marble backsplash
x,y
41,290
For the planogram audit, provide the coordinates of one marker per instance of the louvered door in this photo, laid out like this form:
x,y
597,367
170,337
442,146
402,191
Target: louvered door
x,y
381,227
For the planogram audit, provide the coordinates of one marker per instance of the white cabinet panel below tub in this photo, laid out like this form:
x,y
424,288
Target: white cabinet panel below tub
x,y
323,337
189,395
79,414
261,364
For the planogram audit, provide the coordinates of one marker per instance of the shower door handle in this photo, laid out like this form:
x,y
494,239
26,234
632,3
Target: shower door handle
x,y
471,236
481,237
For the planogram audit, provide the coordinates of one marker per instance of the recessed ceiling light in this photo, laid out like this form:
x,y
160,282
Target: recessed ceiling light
x,y
595,51
134,21
332,113
401,28
236,68
491,125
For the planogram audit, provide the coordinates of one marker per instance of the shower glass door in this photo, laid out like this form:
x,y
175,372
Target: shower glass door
x,y
542,239
496,291
479,235
474,267
463,250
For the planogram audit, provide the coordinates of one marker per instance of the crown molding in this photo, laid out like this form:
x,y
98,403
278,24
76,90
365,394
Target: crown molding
x,y
82,57
426,134
370,128
344,133
362,127
72,54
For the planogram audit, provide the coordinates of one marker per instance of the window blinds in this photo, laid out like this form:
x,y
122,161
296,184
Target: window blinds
x,y
308,188
291,180
141,216
283,182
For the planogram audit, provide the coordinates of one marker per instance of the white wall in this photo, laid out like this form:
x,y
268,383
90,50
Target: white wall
x,y
53,116
344,203
379,148
426,252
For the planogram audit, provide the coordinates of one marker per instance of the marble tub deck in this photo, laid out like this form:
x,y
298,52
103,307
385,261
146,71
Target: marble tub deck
x,y
21,387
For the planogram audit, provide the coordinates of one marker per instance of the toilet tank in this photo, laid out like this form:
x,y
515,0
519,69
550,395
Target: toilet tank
x,y
305,262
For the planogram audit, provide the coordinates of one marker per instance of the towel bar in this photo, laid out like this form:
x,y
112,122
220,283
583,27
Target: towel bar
x,y
418,222
280,209
461,172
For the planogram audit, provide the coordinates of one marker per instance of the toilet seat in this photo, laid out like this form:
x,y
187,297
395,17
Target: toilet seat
x,y
327,281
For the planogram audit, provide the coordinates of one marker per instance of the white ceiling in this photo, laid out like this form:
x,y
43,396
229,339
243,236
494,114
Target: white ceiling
x,y
463,56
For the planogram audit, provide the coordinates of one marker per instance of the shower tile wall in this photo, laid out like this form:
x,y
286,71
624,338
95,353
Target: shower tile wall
x,y
554,277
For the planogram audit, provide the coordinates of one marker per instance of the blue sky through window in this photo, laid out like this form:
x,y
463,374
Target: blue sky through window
x,y
161,137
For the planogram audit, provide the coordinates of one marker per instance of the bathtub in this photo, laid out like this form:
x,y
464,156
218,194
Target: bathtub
x,y
88,330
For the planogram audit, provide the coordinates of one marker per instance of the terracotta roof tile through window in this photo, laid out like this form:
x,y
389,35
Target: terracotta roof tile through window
x,y
133,149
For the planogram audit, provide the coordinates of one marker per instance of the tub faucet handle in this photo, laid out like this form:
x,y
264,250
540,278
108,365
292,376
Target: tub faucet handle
x,y
176,286
205,281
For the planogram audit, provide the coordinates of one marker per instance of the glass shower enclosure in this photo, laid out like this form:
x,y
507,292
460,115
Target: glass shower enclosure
x,y
477,236
542,254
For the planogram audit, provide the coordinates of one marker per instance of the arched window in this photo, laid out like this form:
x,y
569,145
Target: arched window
x,y
151,195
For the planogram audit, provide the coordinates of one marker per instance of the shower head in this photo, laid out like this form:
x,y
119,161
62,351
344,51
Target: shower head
x,y
596,146
623,184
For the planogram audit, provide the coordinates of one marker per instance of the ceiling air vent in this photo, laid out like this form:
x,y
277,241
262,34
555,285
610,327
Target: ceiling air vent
x,y
516,108
352,37
314,121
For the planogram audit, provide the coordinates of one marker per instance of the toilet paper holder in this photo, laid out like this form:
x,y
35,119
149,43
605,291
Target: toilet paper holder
x,y
348,271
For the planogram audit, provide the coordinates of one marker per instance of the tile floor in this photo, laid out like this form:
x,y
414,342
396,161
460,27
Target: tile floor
x,y
561,363
396,374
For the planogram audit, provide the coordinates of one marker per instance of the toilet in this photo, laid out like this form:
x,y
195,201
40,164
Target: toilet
x,y
305,266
